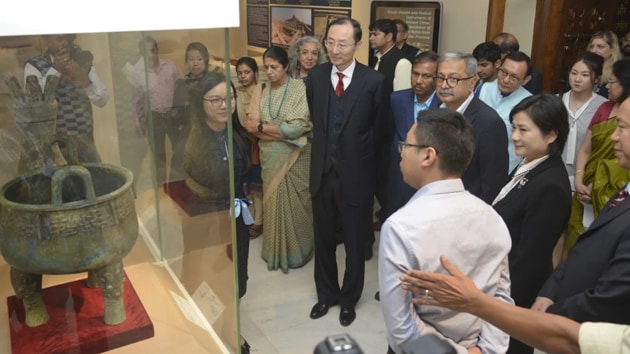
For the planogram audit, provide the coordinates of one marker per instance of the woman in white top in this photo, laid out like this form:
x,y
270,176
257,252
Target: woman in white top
x,y
581,103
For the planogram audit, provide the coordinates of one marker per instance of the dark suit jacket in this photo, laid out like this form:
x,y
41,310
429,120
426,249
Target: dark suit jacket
x,y
402,107
593,284
366,129
409,52
536,212
535,84
488,169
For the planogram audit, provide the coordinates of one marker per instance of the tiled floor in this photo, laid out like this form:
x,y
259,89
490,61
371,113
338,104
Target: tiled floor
x,y
275,310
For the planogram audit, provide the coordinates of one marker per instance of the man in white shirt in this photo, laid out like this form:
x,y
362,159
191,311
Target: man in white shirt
x,y
441,217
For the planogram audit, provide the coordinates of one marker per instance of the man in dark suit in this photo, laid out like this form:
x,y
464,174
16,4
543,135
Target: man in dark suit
x,y
408,51
387,58
488,170
405,106
349,107
593,284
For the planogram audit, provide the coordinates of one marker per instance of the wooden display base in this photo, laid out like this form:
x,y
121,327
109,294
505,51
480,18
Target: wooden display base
x,y
190,202
76,322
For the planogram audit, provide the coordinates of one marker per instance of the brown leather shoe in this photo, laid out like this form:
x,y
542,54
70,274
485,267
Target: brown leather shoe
x,y
255,231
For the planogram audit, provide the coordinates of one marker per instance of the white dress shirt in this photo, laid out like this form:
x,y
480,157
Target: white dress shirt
x,y
443,218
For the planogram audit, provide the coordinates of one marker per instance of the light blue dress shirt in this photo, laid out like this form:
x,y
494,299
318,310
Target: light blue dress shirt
x,y
491,96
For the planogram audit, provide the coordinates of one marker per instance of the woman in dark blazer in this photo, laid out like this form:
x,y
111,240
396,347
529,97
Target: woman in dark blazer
x,y
536,202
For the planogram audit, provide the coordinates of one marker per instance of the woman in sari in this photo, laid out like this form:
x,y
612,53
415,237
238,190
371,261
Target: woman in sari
x,y
283,129
598,176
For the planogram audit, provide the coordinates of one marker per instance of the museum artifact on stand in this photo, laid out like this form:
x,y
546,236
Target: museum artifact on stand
x,y
62,218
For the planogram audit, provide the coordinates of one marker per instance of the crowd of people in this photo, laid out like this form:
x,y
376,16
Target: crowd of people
x,y
463,152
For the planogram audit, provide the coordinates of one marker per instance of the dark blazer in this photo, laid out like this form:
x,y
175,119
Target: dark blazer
x,y
593,284
409,52
536,212
488,169
402,107
535,84
366,130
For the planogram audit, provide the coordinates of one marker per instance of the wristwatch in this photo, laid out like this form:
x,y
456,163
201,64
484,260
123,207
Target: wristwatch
x,y
260,127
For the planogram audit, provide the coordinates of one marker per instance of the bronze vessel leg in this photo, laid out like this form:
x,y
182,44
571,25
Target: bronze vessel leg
x,y
28,288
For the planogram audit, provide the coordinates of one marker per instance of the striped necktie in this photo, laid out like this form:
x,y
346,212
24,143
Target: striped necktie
x,y
623,193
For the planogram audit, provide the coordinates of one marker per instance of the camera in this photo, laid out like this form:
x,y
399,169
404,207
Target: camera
x,y
83,57
338,344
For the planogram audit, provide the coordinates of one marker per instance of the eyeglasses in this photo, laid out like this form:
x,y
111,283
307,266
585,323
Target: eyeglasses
x,y
451,81
513,78
402,145
217,101
625,39
609,81
330,45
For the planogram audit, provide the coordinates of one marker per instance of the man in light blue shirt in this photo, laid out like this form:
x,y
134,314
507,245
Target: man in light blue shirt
x,y
507,91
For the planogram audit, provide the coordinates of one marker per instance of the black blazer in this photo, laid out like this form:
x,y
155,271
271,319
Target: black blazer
x,y
488,169
536,213
409,52
593,284
366,129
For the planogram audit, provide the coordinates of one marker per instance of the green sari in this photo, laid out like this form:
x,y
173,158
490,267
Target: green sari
x,y
288,216
603,170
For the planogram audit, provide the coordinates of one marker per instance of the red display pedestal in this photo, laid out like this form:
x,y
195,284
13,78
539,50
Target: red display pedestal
x,y
76,322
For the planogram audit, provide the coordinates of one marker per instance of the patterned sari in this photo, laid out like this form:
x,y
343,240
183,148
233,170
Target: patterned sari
x,y
603,170
288,217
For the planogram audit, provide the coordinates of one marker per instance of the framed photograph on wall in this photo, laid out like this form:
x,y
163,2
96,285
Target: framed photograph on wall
x,y
288,24
423,18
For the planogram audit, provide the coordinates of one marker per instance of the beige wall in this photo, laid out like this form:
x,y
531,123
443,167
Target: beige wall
x,y
519,20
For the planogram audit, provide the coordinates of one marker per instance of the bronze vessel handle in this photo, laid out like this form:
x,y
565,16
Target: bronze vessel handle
x,y
63,173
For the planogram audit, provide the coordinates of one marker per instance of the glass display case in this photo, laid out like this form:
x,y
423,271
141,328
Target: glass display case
x,y
92,175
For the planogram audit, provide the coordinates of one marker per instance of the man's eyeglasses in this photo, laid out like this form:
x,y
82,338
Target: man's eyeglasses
x,y
217,101
513,78
330,45
451,81
402,145
609,81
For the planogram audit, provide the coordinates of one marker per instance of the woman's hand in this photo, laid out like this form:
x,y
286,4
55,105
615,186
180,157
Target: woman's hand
x,y
251,123
584,192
